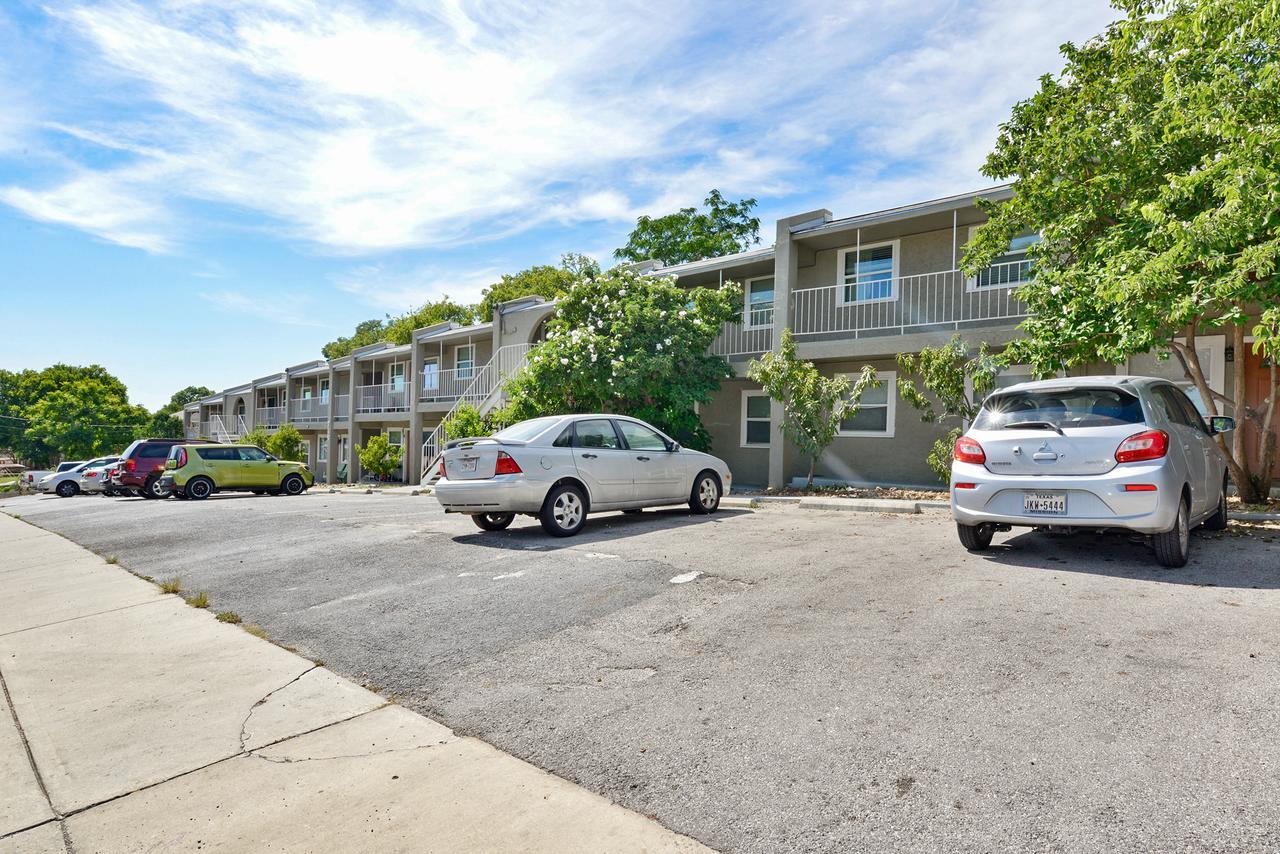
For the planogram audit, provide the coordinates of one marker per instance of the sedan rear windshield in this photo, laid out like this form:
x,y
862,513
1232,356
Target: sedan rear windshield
x,y
1061,407
525,430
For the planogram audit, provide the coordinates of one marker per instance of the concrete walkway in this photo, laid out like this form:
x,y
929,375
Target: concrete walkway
x,y
131,721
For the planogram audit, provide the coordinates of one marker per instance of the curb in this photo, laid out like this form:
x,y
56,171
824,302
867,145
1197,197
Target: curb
x,y
847,505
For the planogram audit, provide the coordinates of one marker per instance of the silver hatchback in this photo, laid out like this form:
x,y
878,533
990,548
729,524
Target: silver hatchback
x,y
1129,453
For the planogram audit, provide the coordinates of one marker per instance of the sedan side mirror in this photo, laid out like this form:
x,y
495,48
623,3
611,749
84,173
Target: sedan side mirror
x,y
1221,424
673,446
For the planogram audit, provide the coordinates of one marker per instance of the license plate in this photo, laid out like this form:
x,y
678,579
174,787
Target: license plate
x,y
1045,503
468,463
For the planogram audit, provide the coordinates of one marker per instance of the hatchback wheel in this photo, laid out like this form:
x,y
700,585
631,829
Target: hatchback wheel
x,y
293,485
975,538
199,488
1173,545
564,512
1218,521
493,521
67,488
706,493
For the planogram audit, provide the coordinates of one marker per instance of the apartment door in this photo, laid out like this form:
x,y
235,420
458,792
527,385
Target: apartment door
x,y
430,378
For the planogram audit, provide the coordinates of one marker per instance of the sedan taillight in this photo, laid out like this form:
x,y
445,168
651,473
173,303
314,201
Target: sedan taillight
x,y
130,465
506,464
969,451
441,472
1147,445
91,474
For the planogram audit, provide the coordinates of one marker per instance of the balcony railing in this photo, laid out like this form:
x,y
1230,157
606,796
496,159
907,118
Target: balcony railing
x,y
309,410
341,407
446,385
391,397
907,303
737,339
268,417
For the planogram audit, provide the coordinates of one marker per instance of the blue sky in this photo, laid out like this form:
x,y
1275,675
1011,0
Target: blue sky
x,y
205,192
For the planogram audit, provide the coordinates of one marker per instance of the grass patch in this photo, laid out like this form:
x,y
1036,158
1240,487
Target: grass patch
x,y
171,585
228,617
199,600
256,631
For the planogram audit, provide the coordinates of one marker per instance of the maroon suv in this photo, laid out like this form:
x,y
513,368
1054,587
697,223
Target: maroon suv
x,y
142,464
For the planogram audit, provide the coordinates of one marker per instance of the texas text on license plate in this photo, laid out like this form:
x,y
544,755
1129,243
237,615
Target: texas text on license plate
x,y
468,463
1045,503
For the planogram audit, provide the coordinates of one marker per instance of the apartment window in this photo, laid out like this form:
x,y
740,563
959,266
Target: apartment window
x,y
431,376
868,273
322,449
306,394
875,417
395,437
324,391
342,448
759,307
464,361
1009,270
397,376
755,419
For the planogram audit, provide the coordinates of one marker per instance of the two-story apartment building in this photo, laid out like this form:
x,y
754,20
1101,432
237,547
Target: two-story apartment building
x,y
854,291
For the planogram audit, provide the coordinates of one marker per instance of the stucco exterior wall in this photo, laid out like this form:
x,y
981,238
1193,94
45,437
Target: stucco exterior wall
x,y
723,420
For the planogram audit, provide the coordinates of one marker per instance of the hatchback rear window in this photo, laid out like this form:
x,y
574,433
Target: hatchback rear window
x,y
1061,407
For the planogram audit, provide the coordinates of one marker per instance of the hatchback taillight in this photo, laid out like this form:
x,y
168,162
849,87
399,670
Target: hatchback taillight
x,y
969,451
1147,445
506,464
182,457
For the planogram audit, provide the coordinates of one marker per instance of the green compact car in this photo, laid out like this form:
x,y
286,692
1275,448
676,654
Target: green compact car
x,y
198,471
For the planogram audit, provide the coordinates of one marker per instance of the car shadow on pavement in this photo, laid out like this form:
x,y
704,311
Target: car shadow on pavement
x,y
526,533
1247,557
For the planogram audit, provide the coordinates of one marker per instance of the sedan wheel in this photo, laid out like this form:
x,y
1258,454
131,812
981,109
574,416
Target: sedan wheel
x,y
66,489
493,521
154,489
564,512
706,493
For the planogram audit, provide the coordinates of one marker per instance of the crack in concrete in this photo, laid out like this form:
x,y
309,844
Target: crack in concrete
x,y
84,616
283,760
35,769
244,725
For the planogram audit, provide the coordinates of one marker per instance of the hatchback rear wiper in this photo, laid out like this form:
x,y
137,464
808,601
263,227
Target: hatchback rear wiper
x,y
1014,425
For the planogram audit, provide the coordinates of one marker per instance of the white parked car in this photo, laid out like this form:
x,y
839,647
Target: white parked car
x,y
66,481
1088,453
93,477
559,468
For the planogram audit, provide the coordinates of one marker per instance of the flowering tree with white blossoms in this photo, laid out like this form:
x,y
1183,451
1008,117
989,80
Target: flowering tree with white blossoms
x,y
631,344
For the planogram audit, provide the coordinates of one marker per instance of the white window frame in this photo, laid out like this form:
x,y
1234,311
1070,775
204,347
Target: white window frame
x,y
435,374
742,437
890,381
746,303
396,431
392,376
971,282
324,390
322,449
458,360
842,284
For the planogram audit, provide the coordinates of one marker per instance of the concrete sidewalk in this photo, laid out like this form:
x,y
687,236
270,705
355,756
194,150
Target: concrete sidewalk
x,y
134,722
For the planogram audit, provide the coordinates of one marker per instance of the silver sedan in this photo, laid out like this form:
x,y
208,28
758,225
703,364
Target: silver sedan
x,y
560,468
1131,453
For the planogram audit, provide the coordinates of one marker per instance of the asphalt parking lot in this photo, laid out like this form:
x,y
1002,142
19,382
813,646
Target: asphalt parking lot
x,y
825,682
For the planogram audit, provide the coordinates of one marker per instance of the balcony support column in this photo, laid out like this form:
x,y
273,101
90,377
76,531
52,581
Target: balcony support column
x,y
786,266
353,432
413,386
331,446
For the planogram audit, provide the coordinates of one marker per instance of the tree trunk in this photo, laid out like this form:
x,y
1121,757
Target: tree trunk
x,y
813,465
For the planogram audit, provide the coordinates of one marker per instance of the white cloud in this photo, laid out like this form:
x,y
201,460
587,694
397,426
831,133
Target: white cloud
x,y
430,124
397,290
286,309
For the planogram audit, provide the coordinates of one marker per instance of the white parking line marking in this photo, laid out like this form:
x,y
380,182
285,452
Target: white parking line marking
x,y
685,577
595,554
515,574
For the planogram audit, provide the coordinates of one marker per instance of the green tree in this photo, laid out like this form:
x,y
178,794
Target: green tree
x,y
379,456
542,280
65,410
691,235
180,399
161,425
367,332
467,422
259,436
1151,166
812,405
956,384
631,344
399,329
286,443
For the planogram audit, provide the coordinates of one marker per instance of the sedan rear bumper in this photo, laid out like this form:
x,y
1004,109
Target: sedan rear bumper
x,y
501,494
1093,501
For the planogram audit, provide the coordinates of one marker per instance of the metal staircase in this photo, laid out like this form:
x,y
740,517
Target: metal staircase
x,y
484,394
228,428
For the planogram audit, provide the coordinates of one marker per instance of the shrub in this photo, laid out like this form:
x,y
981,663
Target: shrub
x,y
286,443
380,456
